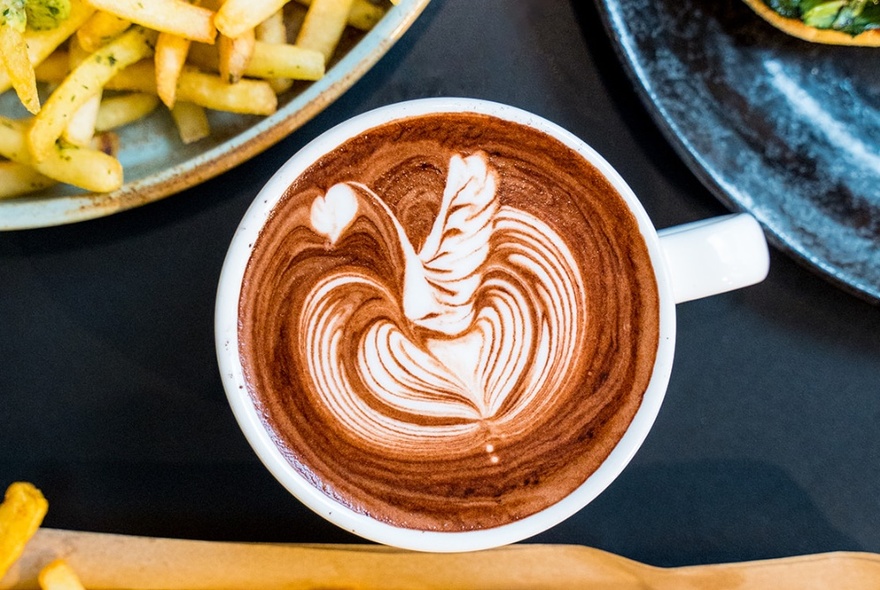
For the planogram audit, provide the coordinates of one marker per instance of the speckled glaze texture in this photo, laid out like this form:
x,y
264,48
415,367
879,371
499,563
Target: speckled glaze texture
x,y
780,127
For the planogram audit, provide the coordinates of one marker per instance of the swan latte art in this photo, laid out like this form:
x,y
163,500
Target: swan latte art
x,y
448,322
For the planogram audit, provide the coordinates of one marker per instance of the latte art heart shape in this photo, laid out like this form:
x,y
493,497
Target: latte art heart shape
x,y
511,282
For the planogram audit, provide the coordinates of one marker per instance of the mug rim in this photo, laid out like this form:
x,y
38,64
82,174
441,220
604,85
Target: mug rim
x,y
248,416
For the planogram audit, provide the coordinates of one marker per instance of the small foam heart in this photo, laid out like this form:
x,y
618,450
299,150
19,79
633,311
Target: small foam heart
x,y
333,213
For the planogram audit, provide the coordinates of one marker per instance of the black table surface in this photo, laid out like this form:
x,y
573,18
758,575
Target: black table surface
x,y
767,444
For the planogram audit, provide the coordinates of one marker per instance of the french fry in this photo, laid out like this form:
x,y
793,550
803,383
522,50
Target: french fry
x,y
235,54
15,60
138,77
286,61
191,121
99,29
117,111
54,68
274,30
363,14
323,26
21,514
170,57
248,97
86,168
57,575
81,127
237,16
253,97
82,83
19,179
168,16
40,44
269,61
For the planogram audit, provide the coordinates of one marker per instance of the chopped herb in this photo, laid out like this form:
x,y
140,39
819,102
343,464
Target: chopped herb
x,y
46,14
13,14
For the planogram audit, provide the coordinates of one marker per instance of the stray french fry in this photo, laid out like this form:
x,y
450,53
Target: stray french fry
x,y
168,16
19,179
237,16
117,111
82,83
40,44
191,121
235,54
170,57
21,514
323,26
100,29
57,575
84,167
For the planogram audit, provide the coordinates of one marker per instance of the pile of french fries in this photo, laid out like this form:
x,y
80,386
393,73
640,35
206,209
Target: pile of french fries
x,y
109,63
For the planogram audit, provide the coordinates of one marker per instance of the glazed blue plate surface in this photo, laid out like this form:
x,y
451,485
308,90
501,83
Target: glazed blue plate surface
x,y
785,129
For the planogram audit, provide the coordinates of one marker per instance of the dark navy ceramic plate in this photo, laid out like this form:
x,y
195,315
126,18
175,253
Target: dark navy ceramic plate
x,y
785,129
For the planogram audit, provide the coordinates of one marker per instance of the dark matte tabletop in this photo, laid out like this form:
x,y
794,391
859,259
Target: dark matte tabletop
x,y
767,445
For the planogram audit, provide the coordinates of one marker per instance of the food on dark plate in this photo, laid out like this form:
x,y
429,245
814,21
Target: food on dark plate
x,y
833,22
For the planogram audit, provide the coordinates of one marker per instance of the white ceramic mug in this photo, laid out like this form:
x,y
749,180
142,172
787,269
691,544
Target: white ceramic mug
x,y
690,261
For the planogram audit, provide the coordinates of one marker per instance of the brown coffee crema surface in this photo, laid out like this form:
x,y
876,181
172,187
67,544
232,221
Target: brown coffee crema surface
x,y
474,375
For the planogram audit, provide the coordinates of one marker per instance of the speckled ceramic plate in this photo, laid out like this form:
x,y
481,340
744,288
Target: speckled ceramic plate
x,y
157,164
785,129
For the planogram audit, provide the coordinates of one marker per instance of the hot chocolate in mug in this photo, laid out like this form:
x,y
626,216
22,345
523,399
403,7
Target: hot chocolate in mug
x,y
448,324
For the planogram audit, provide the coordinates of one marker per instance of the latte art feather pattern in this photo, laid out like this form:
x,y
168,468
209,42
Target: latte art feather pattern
x,y
421,385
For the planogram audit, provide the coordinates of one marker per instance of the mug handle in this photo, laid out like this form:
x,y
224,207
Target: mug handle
x,y
714,255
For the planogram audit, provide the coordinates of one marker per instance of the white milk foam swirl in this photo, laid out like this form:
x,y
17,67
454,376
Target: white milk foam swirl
x,y
493,367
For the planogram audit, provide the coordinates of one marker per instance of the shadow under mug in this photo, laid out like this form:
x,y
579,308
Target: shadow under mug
x,y
691,261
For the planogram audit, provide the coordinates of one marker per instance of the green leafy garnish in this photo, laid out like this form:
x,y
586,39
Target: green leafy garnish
x,y
847,16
